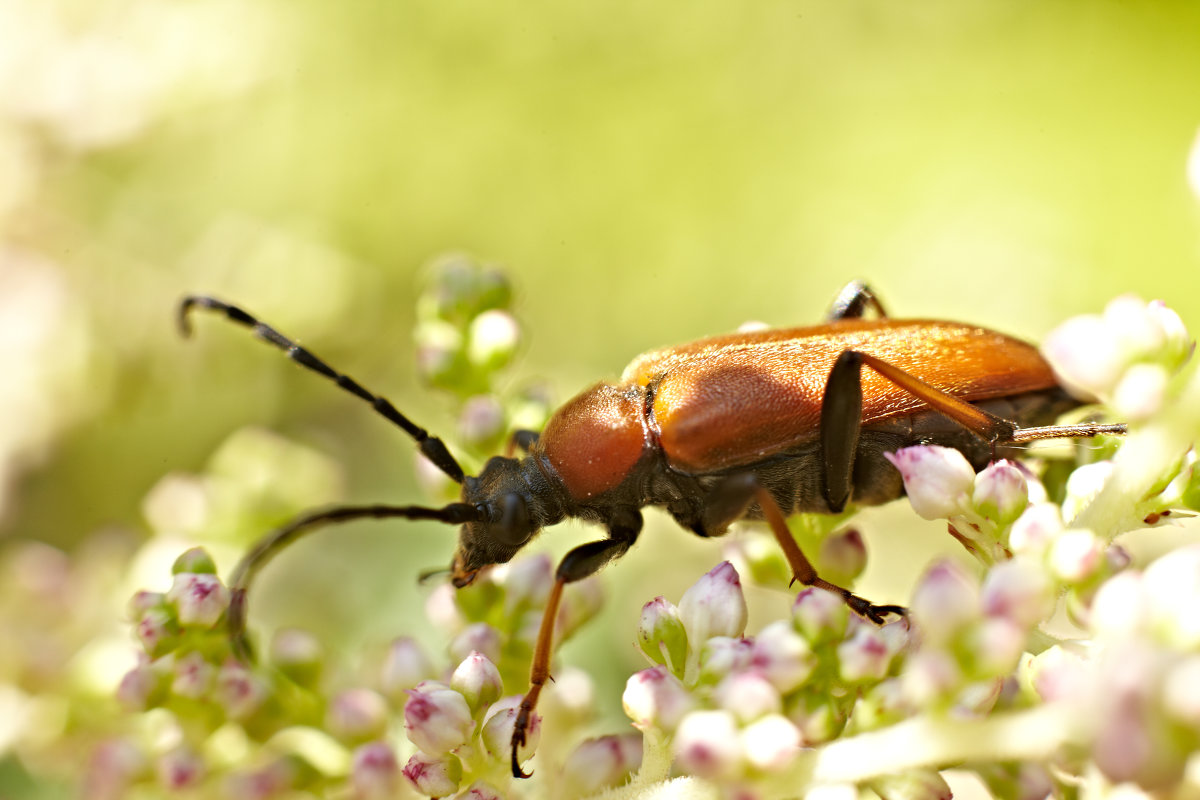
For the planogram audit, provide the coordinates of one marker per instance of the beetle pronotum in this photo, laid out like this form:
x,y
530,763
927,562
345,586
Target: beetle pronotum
x,y
752,425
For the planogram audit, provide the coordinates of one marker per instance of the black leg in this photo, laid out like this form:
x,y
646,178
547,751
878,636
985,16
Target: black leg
x,y
841,423
431,447
853,301
576,565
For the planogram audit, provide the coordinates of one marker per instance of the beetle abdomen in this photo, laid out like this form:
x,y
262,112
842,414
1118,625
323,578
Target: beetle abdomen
x,y
742,398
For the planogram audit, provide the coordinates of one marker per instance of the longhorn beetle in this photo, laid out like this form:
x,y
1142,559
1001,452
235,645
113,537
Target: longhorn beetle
x,y
754,425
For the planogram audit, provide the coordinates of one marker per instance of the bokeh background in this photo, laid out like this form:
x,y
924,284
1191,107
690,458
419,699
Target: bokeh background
x,y
646,173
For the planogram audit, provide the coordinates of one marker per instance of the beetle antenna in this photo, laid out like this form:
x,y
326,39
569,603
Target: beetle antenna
x,y
269,546
430,446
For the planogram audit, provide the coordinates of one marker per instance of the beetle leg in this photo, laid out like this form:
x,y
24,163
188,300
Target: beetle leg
x,y
520,440
803,570
853,301
577,564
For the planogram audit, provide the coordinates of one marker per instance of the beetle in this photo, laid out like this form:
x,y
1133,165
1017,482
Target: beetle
x,y
756,425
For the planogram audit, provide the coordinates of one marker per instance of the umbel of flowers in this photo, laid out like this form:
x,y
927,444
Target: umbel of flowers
x,y
819,702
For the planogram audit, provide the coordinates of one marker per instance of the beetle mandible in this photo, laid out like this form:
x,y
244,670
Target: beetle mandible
x,y
756,425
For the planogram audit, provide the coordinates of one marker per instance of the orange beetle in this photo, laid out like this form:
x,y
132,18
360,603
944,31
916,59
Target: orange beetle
x,y
752,425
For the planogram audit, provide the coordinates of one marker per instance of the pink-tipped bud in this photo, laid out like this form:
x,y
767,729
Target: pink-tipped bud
x,y
996,645
357,715
158,631
661,634
843,556
479,637
946,599
714,605
602,763
707,744
748,696
782,656
1000,493
771,742
654,698
142,687
200,599
143,601
722,655
865,656
179,769
434,776
478,681
480,790
492,339
239,691
193,676
1019,591
374,771
938,480
1035,529
817,717
930,676
1084,354
527,583
498,728
819,615
437,718
404,666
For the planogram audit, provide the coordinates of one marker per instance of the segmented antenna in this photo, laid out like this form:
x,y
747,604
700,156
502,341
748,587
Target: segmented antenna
x,y
431,447
273,543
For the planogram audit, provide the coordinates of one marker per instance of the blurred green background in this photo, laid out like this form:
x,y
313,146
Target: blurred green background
x,y
647,173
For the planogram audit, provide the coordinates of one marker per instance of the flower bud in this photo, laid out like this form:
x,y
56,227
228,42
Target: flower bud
x,y
158,631
179,769
1084,354
1000,493
196,560
480,637
434,776
1181,692
843,556
996,646
714,605
722,655
1172,585
527,583
374,771
661,634
193,676
771,742
492,339
200,599
480,790
404,666
602,763
707,744
915,784
481,421
297,654
929,676
1084,484
946,599
748,696
938,480
816,716
143,601
654,698
1035,529
498,728
1018,590
1058,674
1139,393
863,657
1121,607
437,718
478,681
357,715
142,687
239,692
819,615
782,656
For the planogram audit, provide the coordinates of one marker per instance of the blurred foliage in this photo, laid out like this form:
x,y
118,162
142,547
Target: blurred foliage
x,y
645,173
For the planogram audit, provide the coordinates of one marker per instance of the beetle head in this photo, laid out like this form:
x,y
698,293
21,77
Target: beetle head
x,y
511,512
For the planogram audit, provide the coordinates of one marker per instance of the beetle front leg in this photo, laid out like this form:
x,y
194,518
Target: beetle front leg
x,y
853,301
577,564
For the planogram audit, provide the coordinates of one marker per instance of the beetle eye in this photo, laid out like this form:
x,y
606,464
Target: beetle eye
x,y
513,527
